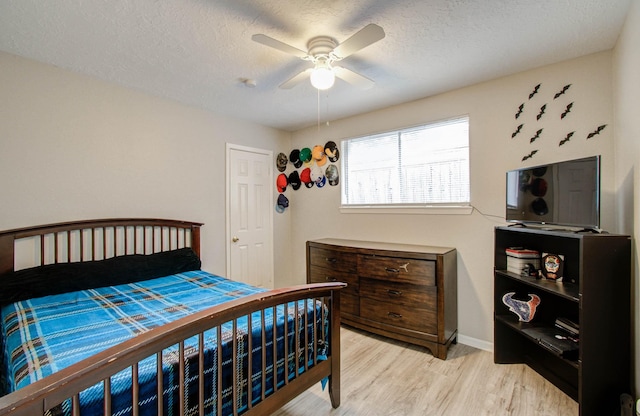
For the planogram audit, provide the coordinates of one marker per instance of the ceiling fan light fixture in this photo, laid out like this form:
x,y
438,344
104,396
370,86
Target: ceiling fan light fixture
x,y
323,51
322,76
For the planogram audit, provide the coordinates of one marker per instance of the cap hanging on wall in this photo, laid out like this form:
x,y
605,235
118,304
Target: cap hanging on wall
x,y
332,175
318,155
282,203
281,183
294,157
294,180
281,162
305,155
305,177
332,152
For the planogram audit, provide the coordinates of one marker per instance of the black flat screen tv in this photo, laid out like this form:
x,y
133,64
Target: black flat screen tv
x,y
563,193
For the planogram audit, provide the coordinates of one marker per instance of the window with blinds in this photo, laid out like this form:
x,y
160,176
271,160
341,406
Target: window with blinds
x,y
418,166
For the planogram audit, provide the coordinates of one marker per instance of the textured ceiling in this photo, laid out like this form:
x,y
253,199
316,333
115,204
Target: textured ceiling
x,y
198,51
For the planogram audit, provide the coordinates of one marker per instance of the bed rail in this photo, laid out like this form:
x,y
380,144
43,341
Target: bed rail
x,y
94,240
65,385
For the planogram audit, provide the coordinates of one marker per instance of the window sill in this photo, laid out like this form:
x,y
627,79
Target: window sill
x,y
421,210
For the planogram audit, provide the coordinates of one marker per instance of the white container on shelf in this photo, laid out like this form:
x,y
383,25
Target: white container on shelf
x,y
523,261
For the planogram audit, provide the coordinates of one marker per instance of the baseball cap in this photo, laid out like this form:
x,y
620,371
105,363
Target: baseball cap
x,y
305,177
318,155
317,176
305,154
281,162
294,157
281,182
294,180
283,202
332,175
331,150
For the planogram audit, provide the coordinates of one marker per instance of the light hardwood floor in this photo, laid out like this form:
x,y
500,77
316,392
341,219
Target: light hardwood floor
x,y
385,377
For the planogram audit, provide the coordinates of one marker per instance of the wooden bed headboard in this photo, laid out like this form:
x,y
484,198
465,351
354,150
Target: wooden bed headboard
x,y
89,240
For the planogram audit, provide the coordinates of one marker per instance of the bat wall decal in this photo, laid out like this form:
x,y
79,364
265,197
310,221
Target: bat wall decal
x,y
564,89
535,91
537,136
596,131
543,110
518,129
566,139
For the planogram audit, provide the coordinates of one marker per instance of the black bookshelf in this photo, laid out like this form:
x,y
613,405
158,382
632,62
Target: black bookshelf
x,y
595,293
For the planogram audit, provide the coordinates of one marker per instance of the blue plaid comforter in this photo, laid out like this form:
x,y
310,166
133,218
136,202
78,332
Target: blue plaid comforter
x,y
43,335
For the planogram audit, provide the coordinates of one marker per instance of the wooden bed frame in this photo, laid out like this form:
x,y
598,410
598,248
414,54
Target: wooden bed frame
x,y
101,239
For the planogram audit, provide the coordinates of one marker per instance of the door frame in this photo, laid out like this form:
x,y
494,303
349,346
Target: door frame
x,y
234,147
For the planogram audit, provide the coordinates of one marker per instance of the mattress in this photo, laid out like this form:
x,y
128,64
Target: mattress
x,y
43,335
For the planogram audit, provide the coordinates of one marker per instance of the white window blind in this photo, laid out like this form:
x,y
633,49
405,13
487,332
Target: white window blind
x,y
425,165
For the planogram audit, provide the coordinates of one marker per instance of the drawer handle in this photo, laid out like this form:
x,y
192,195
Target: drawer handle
x,y
331,260
394,292
404,267
330,279
394,315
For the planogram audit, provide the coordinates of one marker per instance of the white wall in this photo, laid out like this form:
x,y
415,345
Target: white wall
x,y
491,107
627,153
72,147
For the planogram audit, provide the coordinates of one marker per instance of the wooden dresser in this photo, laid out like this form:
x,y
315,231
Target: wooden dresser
x,y
406,292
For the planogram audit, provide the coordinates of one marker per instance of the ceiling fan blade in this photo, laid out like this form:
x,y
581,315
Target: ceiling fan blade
x,y
353,78
281,46
360,40
296,79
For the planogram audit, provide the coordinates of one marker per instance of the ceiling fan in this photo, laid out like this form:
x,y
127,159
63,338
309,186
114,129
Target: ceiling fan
x,y
323,52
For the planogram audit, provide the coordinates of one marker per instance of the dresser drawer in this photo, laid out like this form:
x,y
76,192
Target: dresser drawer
x,y
349,304
423,297
398,315
324,275
397,269
333,259
349,299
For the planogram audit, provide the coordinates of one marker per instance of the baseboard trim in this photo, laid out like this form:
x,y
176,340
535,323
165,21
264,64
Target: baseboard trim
x,y
476,343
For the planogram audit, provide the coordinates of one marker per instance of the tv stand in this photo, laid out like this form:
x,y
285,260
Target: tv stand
x,y
558,228
595,294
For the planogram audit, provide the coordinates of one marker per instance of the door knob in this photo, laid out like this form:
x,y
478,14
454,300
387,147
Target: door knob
x,y
235,239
